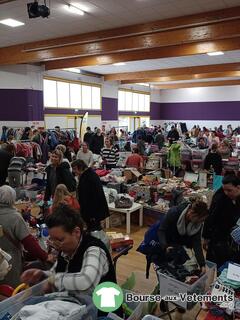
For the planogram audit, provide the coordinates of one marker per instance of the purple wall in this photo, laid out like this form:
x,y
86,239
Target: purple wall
x,y
109,109
224,110
21,105
155,110
35,105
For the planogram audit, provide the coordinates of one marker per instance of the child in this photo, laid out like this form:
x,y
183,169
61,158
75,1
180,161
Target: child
x,y
63,196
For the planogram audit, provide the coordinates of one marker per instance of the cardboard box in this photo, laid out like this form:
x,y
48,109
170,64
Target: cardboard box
x,y
132,175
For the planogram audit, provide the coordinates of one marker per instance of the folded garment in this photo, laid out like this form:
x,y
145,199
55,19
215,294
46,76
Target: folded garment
x,y
49,310
230,283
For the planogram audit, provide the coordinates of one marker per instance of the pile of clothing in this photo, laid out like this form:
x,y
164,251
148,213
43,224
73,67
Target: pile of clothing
x,y
57,306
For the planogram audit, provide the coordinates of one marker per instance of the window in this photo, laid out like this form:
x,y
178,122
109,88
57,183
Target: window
x,y
133,101
64,94
96,98
75,96
50,93
63,98
86,97
121,100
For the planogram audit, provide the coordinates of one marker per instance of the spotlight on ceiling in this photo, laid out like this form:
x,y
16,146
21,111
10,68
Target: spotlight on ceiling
x,y
36,10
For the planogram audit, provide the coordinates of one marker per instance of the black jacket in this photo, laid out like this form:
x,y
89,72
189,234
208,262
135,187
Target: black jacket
x,y
214,160
92,200
169,236
223,215
5,158
97,143
159,139
63,175
75,264
88,137
173,135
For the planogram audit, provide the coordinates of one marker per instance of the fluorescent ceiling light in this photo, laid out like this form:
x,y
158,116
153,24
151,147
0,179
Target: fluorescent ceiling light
x,y
73,8
75,70
12,23
143,84
119,64
215,53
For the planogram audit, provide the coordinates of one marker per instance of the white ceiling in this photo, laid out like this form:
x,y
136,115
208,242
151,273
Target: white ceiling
x,y
107,14
165,63
101,14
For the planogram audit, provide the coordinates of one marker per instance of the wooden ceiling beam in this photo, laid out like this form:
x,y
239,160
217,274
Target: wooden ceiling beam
x,y
172,71
198,84
206,75
155,53
145,28
222,30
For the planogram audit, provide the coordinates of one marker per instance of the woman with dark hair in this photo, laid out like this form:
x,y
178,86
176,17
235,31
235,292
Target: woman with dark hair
x,y
58,172
92,200
110,154
183,225
26,134
83,261
224,214
214,160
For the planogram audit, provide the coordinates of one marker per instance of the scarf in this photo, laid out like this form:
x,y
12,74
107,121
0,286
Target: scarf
x,y
191,228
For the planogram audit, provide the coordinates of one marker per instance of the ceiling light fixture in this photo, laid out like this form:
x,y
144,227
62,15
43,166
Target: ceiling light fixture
x,y
143,84
12,23
75,70
215,53
74,9
119,64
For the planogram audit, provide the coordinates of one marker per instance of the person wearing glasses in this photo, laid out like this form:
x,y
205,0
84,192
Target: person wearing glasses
x,y
83,261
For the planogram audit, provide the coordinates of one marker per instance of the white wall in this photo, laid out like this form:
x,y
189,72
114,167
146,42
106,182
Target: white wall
x,y
208,94
73,76
110,124
21,77
208,124
110,89
155,95
224,93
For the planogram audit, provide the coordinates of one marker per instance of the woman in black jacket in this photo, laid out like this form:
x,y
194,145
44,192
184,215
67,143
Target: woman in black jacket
x,y
182,225
97,142
214,160
58,172
92,200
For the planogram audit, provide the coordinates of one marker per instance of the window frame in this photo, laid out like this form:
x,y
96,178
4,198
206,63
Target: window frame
x,y
144,93
81,83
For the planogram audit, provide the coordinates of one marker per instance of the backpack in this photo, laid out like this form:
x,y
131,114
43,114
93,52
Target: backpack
x,y
151,247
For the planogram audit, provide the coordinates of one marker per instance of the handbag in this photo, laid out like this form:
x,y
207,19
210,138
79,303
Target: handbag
x,y
123,202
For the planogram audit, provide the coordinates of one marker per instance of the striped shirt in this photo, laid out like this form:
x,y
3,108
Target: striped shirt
x,y
94,267
110,155
16,164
